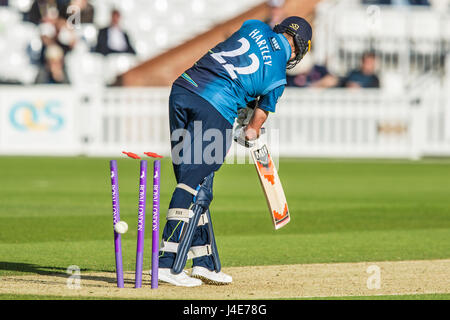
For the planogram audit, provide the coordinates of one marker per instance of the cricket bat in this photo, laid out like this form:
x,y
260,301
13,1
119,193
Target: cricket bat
x,y
271,185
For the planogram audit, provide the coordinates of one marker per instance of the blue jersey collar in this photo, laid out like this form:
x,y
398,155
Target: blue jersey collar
x,y
286,45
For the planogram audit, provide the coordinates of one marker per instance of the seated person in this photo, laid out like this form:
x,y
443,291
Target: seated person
x,y
113,39
53,71
309,74
365,77
45,11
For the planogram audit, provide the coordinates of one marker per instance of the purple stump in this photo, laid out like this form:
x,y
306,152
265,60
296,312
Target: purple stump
x,y
155,223
116,218
141,224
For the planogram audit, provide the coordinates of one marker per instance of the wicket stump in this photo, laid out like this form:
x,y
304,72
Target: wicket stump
x,y
140,225
155,222
116,218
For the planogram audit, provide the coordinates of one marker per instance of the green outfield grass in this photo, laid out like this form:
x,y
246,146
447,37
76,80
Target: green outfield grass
x,y
56,212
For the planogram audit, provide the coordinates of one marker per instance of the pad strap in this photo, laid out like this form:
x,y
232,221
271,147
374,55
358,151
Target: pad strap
x,y
185,187
194,252
185,215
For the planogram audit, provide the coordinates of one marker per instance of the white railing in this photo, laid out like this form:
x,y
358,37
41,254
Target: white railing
x,y
130,119
56,120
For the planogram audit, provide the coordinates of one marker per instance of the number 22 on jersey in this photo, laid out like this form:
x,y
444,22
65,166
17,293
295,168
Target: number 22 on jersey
x,y
232,69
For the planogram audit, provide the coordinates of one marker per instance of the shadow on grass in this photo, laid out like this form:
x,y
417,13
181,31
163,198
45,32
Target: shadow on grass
x,y
48,271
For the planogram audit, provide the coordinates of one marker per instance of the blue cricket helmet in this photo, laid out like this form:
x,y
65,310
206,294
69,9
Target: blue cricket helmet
x,y
299,29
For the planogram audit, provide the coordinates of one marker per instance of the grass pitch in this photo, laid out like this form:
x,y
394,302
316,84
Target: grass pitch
x,y
56,212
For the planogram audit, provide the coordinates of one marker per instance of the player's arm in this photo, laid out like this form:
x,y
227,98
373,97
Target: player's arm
x,y
266,103
253,129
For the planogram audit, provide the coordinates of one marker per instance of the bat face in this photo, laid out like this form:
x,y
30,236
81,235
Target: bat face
x,y
271,185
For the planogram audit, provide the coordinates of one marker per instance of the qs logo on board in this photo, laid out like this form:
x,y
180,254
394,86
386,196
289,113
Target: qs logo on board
x,y
36,116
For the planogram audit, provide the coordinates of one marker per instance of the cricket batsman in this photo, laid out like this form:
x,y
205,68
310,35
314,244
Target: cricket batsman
x,y
203,105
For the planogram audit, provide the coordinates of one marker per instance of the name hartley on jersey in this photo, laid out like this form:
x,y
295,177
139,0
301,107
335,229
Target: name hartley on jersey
x,y
262,45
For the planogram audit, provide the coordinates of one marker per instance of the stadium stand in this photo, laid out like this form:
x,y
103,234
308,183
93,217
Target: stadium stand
x,y
417,40
408,40
165,67
150,30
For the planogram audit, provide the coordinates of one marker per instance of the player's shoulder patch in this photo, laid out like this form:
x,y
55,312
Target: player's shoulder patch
x,y
274,43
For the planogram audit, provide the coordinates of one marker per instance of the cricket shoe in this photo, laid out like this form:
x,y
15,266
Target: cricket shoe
x,y
211,277
181,279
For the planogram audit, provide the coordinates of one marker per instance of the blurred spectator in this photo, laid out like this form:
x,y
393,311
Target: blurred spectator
x,y
3,3
53,71
43,11
309,74
276,12
50,16
86,10
397,2
365,77
113,39
66,37
57,33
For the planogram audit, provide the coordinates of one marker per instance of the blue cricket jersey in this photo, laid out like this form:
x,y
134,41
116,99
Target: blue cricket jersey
x,y
249,64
